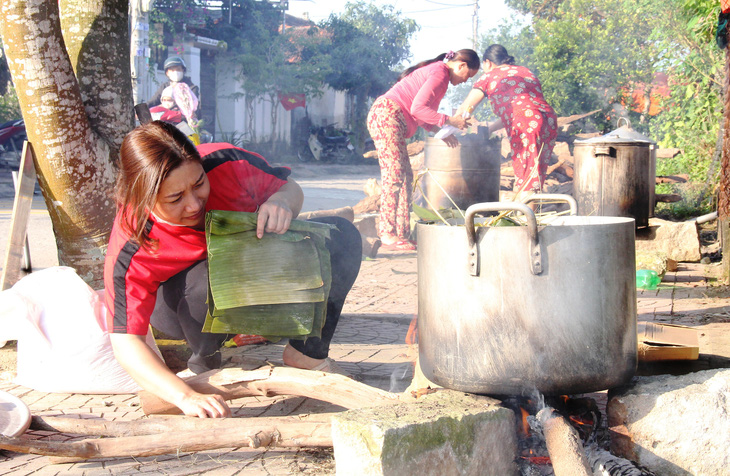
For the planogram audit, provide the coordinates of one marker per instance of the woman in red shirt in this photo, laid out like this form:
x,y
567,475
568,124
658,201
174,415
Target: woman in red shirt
x,y
155,271
516,97
395,116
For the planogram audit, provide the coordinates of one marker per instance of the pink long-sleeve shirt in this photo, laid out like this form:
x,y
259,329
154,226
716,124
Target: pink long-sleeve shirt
x,y
419,95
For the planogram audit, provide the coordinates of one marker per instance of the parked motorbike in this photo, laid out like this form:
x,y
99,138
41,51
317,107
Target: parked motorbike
x,y
327,144
12,136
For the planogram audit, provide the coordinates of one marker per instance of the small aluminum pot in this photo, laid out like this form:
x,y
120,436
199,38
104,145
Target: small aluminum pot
x,y
514,309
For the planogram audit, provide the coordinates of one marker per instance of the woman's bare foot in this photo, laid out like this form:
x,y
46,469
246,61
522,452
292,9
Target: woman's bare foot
x,y
388,239
293,358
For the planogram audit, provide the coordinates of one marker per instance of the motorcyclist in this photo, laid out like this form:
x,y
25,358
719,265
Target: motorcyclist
x,y
175,70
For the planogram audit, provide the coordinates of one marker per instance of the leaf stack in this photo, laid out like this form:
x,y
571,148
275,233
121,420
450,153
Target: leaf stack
x,y
276,286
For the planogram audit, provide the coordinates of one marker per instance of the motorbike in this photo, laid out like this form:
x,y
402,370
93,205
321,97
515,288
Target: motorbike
x,y
327,144
178,120
12,136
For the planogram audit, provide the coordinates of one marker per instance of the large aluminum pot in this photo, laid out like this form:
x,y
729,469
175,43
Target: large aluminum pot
x,y
468,173
509,310
615,175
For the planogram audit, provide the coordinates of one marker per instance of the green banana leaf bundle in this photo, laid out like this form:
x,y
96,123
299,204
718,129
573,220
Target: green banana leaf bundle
x,y
276,286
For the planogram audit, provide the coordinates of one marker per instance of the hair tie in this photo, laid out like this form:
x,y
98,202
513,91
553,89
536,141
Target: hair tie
x,y
450,55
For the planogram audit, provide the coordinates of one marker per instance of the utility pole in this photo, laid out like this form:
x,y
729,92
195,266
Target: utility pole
x,y
475,26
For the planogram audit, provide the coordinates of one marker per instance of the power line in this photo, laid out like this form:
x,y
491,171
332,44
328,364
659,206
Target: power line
x,y
438,9
450,4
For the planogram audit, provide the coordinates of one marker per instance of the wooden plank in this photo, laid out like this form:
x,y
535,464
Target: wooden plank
x,y
26,248
14,252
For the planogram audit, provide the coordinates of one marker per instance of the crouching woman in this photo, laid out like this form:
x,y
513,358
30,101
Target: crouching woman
x,y
155,270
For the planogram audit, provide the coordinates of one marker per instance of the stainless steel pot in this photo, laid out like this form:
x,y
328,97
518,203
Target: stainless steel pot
x,y
615,175
507,310
468,173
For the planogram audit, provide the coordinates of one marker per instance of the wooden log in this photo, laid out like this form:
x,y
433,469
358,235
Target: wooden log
x,y
682,178
555,166
316,434
344,212
232,383
667,197
163,424
369,204
563,444
667,153
604,463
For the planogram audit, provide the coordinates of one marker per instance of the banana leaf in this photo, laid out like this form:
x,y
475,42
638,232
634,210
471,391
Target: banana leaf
x,y
274,286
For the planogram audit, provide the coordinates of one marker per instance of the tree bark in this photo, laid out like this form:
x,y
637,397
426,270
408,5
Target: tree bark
x,y
723,205
75,126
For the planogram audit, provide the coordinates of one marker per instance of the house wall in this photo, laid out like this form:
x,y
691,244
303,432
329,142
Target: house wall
x,y
331,108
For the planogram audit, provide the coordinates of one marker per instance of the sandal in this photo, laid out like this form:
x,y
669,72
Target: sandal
x,y
400,245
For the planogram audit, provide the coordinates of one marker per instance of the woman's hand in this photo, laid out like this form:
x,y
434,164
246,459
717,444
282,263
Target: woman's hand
x,y
275,216
151,373
203,406
451,141
458,121
276,213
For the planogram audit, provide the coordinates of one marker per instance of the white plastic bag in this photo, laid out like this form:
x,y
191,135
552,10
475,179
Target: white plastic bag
x,y
63,344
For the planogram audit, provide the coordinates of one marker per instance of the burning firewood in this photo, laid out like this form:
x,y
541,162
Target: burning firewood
x,y
604,463
563,444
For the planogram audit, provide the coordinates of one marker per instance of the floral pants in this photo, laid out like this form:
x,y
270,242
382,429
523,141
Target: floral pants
x,y
387,127
532,141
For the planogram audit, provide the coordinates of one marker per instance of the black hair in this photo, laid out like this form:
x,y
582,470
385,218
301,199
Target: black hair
x,y
498,55
470,57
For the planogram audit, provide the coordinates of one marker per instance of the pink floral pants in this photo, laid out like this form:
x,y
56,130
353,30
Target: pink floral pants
x,y
387,127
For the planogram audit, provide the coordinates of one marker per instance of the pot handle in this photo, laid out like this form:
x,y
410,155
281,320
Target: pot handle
x,y
471,233
606,150
558,197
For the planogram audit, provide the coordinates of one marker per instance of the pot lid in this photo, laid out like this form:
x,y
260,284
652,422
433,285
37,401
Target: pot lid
x,y
14,415
624,134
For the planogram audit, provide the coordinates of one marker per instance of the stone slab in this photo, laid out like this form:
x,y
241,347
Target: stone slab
x,y
445,433
674,425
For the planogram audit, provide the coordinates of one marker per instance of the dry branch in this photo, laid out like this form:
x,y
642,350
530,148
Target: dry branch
x,y
682,178
232,383
163,423
230,435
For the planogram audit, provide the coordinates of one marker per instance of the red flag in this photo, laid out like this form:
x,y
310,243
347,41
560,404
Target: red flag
x,y
291,101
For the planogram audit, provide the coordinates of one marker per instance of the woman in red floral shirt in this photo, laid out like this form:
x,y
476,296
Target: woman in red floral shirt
x,y
516,97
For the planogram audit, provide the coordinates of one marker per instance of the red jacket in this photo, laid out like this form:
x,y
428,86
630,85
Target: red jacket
x,y
239,181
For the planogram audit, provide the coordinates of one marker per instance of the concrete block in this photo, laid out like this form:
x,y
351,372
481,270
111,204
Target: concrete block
x,y
443,433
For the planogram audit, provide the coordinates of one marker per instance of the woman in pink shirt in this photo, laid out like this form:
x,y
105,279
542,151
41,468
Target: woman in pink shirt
x,y
395,116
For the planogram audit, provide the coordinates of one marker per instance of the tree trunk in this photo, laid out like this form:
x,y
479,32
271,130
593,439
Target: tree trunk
x,y
75,126
723,205
360,122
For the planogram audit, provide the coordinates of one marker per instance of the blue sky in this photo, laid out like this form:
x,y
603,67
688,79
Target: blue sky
x,y
445,24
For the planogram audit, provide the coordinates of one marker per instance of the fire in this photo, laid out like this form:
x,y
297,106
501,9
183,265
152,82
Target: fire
x,y
525,425
412,335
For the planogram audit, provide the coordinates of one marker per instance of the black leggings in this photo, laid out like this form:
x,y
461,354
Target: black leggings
x,y
181,305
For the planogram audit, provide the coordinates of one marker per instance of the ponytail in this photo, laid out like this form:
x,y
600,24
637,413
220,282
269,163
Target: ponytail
x,y
470,57
498,55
